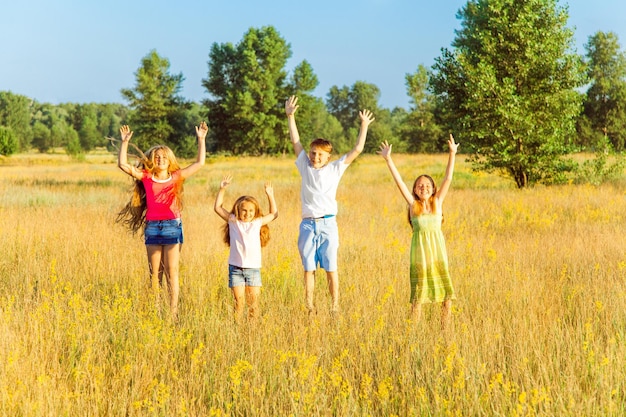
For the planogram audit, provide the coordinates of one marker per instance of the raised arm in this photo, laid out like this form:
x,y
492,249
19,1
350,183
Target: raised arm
x,y
201,132
290,110
122,156
447,180
385,152
366,117
219,199
273,214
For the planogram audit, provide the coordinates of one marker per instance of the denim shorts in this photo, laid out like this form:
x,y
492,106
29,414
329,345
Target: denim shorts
x,y
163,232
250,277
318,243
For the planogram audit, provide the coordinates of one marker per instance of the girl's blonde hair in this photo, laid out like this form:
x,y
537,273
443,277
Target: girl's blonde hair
x,y
133,214
416,209
265,230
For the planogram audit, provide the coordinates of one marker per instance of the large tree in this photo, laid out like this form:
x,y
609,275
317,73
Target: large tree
x,y
508,87
8,141
156,105
345,103
605,101
84,120
15,113
51,126
420,131
247,83
314,120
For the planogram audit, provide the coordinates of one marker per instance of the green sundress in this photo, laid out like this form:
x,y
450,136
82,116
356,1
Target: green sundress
x,y
430,276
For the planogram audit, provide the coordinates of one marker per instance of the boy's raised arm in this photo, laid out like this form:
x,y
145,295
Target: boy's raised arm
x,y
290,110
366,117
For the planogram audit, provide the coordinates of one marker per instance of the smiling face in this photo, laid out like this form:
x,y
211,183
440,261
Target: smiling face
x,y
318,157
161,160
246,211
424,187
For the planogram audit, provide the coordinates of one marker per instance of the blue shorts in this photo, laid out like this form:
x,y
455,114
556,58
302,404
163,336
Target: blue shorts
x,y
250,277
318,243
163,232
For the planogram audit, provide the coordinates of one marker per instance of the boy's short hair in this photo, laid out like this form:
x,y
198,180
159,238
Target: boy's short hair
x,y
322,144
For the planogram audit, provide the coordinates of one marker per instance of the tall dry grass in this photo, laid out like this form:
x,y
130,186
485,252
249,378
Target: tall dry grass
x,y
539,326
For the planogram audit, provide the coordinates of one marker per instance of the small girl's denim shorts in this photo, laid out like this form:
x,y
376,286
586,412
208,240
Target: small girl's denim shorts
x,y
164,232
250,277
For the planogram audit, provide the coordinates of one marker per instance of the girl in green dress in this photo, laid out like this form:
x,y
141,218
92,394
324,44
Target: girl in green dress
x,y
430,276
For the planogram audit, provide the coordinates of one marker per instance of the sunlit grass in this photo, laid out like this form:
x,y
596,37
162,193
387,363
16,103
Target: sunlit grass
x,y
538,328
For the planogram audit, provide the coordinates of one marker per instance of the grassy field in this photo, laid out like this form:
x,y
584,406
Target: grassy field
x,y
539,326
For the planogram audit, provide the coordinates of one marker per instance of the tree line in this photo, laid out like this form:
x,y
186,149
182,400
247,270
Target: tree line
x,y
510,87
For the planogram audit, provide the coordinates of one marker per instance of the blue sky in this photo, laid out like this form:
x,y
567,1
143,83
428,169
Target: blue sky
x,y
87,51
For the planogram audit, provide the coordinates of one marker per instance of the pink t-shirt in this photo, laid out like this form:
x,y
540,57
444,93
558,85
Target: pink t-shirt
x,y
245,242
160,197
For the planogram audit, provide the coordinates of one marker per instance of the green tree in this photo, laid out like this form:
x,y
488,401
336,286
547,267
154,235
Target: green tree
x,y
62,134
605,101
247,84
8,141
73,145
192,116
508,87
15,113
41,137
84,120
420,130
155,103
345,103
303,79
314,120
55,120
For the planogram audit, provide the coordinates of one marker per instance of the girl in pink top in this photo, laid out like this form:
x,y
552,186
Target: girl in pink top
x,y
156,206
245,232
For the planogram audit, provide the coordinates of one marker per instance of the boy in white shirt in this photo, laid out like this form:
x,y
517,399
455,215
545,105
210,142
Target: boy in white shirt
x,y
318,239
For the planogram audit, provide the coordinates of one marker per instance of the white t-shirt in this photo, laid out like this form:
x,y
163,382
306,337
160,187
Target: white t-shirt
x,y
318,192
245,243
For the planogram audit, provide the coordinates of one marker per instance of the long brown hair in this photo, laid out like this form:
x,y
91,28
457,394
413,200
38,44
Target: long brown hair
x,y
416,208
265,230
133,214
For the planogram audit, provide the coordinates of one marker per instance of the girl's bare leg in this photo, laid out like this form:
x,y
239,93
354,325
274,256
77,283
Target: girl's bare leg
x,y
171,265
239,296
155,264
252,298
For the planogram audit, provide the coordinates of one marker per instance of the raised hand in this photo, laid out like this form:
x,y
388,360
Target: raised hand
x,y
453,146
385,150
202,130
126,133
226,180
269,190
291,105
366,116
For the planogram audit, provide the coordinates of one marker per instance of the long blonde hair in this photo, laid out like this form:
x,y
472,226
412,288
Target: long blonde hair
x,y
133,214
265,230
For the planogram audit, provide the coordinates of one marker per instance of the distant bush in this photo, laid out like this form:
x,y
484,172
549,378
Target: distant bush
x,y
8,141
